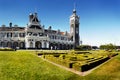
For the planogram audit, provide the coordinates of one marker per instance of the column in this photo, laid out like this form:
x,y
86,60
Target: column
x,y
43,44
47,44
33,43
27,43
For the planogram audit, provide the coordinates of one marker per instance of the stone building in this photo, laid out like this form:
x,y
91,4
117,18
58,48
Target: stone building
x,y
35,36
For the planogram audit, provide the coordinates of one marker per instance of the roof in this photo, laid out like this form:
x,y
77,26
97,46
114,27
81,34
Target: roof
x,y
12,28
55,32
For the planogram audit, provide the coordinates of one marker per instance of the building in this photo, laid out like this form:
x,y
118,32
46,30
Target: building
x,y
35,36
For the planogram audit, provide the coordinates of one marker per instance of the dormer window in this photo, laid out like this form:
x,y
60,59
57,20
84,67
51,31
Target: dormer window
x,y
35,27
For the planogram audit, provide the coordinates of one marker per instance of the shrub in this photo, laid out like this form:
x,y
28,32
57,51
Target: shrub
x,y
56,55
7,49
73,58
62,56
77,66
81,58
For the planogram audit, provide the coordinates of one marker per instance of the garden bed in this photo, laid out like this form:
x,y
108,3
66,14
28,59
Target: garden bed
x,y
81,62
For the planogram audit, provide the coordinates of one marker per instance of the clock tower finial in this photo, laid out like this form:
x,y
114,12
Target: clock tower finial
x,y
74,9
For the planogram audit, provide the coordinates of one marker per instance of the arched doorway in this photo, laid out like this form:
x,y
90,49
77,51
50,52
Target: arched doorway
x,y
60,47
22,45
68,47
9,44
50,46
71,46
38,45
15,44
64,47
2,44
56,46
45,45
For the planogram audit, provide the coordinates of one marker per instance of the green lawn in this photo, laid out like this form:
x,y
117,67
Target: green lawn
x,y
24,65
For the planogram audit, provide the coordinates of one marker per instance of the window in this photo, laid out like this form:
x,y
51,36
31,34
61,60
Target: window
x,y
3,34
58,37
61,38
15,34
10,34
29,33
22,34
35,34
55,37
50,37
7,34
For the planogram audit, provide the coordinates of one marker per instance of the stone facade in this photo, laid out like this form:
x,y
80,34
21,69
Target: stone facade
x,y
35,36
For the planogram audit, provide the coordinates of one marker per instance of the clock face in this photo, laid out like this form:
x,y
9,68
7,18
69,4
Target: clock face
x,y
76,20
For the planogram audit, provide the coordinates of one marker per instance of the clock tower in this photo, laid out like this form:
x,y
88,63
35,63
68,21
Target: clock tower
x,y
74,28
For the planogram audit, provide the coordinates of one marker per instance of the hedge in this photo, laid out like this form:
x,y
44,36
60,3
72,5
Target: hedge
x,y
7,49
57,60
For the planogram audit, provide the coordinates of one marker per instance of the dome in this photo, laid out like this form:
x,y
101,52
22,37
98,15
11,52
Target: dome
x,y
31,14
74,11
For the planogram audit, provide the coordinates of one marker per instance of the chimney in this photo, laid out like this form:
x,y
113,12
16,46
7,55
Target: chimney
x,y
10,24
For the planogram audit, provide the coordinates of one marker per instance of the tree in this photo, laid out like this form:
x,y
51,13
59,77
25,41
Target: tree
x,y
108,47
84,47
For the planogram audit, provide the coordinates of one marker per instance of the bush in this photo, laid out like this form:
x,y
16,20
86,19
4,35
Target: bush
x,y
56,55
77,66
7,49
73,58
81,58
62,56
58,60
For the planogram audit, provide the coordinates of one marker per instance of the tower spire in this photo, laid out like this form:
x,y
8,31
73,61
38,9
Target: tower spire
x,y
74,5
74,9
35,10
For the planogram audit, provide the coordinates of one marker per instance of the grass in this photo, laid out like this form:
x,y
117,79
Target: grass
x,y
108,71
24,65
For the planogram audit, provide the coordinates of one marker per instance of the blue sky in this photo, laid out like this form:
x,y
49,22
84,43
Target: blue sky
x,y
99,19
